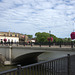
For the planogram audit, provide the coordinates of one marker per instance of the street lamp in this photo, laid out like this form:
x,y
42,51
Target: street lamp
x,y
49,38
49,32
72,36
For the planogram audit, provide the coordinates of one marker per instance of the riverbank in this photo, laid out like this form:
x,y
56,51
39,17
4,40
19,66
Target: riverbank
x,y
4,68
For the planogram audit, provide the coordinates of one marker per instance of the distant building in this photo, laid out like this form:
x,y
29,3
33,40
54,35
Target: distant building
x,y
31,40
23,38
9,39
13,37
9,36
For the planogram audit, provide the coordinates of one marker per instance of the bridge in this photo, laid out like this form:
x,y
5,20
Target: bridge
x,y
19,54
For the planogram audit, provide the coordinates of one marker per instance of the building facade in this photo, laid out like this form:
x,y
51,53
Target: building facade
x,y
13,37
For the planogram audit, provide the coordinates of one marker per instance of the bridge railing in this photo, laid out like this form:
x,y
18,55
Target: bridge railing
x,y
60,66
46,44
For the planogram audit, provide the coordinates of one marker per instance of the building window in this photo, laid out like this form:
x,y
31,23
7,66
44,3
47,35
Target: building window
x,y
11,35
15,35
4,34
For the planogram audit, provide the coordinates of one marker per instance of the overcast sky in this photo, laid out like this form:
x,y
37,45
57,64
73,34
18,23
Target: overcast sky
x,y
31,16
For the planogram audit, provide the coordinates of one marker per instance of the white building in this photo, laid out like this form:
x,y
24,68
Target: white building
x,y
13,37
9,39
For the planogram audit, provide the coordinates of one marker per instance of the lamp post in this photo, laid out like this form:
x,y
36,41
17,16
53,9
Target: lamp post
x,y
49,40
49,32
72,37
24,40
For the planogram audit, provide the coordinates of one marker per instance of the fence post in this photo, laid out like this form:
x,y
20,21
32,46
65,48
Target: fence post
x,y
68,64
40,44
71,44
60,44
31,44
49,44
18,69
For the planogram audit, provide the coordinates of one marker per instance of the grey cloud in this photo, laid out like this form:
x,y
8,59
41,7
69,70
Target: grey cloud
x,y
42,15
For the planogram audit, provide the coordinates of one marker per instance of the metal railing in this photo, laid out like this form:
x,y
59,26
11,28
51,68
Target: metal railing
x,y
59,44
60,66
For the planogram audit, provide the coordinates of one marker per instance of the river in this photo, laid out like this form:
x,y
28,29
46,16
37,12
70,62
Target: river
x,y
43,57
4,68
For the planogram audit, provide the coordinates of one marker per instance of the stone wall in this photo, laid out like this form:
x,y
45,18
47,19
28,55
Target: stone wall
x,y
2,59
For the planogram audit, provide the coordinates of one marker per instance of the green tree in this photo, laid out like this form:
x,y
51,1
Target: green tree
x,y
60,40
30,36
43,37
69,39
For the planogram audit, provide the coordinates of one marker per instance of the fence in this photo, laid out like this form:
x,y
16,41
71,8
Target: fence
x,y
60,66
60,44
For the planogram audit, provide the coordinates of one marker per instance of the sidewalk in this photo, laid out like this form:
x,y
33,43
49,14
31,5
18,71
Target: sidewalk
x,y
42,46
62,46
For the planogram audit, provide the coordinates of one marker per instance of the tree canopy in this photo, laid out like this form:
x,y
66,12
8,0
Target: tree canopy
x,y
30,36
43,37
